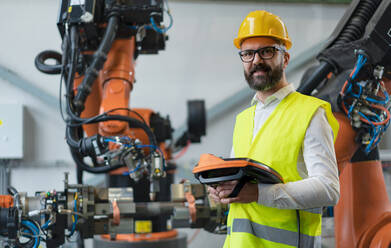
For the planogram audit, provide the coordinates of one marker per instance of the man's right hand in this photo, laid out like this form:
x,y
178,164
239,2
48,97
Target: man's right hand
x,y
249,193
222,191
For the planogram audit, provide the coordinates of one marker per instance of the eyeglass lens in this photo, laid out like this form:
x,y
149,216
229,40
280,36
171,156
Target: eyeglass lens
x,y
264,53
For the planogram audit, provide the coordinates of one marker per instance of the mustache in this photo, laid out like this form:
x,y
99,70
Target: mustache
x,y
260,67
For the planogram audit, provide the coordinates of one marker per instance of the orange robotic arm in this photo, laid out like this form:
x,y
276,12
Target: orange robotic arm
x,y
361,103
363,213
98,68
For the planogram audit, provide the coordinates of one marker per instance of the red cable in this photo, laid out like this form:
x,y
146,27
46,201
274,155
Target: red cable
x,y
344,108
195,234
183,151
378,123
346,82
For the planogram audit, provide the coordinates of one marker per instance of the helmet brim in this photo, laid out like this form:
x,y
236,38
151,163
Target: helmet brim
x,y
238,41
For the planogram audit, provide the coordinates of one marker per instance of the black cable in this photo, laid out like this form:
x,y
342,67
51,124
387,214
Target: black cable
x,y
60,96
133,123
298,227
45,68
64,61
83,121
79,175
74,38
355,28
99,58
70,45
319,74
12,191
131,110
75,142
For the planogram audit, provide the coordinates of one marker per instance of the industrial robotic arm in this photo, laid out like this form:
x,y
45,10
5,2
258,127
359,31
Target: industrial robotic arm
x,y
353,74
101,41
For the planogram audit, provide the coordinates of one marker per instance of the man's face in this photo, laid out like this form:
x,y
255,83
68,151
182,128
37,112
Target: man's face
x,y
262,74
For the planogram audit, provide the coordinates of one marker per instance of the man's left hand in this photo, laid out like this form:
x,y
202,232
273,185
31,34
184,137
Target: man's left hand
x,y
249,192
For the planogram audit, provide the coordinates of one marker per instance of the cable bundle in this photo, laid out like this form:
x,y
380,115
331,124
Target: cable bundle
x,y
127,142
367,104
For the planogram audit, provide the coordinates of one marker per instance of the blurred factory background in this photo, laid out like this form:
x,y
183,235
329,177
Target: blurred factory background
x,y
199,62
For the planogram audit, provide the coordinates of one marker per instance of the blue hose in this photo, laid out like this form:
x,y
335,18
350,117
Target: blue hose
x,y
34,230
162,30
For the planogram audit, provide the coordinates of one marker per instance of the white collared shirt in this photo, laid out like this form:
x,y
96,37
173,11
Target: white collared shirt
x,y
316,162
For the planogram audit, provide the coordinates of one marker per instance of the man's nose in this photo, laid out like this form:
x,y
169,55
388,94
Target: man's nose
x,y
257,59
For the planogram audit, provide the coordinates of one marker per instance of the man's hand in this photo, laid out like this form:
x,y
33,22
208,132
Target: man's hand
x,y
249,193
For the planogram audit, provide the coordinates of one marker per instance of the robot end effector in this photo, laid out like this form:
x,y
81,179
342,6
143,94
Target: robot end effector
x,y
365,26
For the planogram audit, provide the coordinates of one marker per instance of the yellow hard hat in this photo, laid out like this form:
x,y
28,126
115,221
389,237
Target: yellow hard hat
x,y
265,24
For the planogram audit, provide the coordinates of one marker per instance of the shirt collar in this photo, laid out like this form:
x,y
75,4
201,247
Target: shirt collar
x,y
278,95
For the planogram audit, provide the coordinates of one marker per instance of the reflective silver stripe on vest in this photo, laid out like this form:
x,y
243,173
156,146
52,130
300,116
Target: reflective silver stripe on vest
x,y
313,210
228,230
274,234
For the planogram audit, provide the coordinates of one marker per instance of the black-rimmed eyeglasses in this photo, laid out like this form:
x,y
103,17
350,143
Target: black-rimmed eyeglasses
x,y
264,53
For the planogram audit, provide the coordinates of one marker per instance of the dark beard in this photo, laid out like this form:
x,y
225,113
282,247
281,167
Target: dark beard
x,y
264,82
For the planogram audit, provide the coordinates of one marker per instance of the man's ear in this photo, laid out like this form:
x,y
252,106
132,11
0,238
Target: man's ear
x,y
287,57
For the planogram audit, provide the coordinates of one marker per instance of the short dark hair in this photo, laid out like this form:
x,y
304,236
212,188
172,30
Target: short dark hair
x,y
279,42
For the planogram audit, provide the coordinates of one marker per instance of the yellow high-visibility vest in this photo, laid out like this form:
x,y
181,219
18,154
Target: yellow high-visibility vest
x,y
277,144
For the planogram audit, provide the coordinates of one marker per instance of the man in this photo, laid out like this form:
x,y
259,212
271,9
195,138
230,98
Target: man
x,y
292,133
